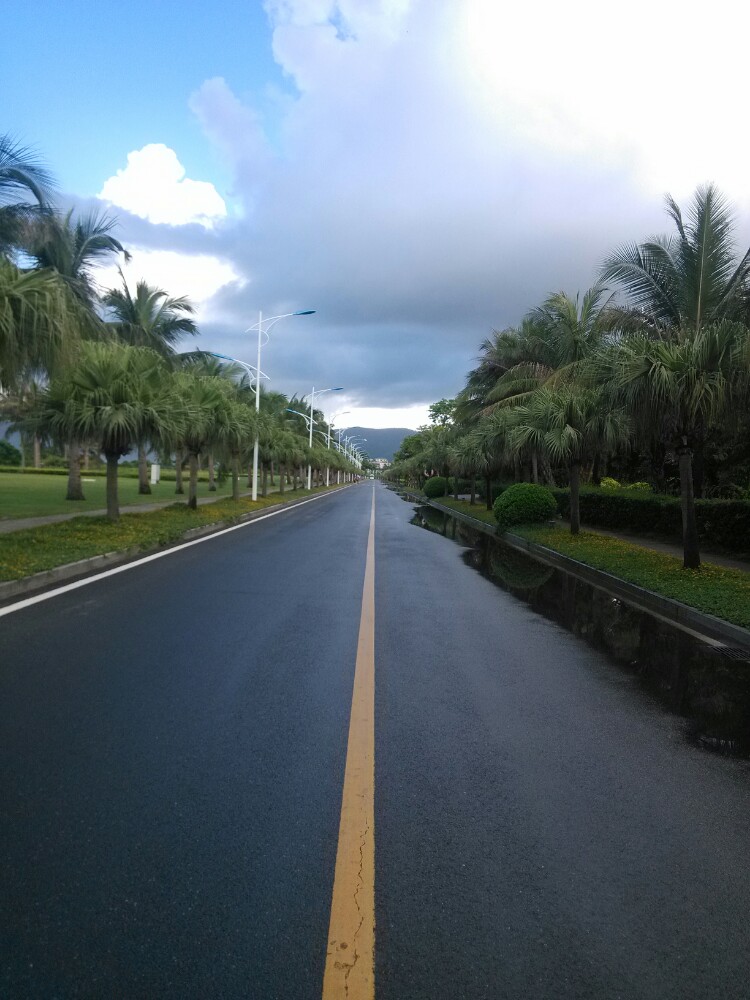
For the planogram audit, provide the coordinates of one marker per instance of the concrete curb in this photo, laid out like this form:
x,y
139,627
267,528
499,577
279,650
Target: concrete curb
x,y
94,564
675,612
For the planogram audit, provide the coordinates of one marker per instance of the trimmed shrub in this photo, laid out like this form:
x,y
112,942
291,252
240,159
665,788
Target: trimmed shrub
x,y
640,487
436,487
607,483
724,523
524,503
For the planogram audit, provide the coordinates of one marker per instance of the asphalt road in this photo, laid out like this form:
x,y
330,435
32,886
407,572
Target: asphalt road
x,y
173,744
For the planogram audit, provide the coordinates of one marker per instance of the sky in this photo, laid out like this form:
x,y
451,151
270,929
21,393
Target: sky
x,y
419,172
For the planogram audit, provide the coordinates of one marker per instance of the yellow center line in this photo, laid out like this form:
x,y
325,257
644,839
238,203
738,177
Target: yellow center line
x,y
350,960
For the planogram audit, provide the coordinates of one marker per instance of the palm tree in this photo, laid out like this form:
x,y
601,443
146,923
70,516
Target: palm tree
x,y
679,283
109,396
39,323
150,318
207,401
21,175
74,248
683,386
570,423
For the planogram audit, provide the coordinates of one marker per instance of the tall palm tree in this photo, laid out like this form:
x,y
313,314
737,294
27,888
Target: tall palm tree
x,y
22,175
683,386
676,284
114,395
150,318
39,323
73,248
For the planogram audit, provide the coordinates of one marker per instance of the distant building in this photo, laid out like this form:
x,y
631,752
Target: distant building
x,y
380,463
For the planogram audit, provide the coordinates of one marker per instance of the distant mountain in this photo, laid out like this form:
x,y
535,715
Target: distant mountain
x,y
382,442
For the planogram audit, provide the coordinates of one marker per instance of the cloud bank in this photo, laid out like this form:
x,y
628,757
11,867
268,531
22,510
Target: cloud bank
x,y
436,168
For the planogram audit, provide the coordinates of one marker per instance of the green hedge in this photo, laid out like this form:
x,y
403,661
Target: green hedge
x,y
725,523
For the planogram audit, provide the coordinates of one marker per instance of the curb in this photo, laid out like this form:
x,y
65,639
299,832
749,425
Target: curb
x,y
86,567
675,612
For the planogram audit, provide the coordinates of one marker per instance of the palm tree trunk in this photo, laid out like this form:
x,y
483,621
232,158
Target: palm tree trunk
x,y
144,486
193,486
235,477
273,481
282,478
534,467
75,488
488,484
575,498
249,476
264,481
38,457
473,491
178,488
113,506
211,474
596,476
691,551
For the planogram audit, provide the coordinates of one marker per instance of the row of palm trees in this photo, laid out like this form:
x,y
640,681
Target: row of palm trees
x,y
84,368
588,380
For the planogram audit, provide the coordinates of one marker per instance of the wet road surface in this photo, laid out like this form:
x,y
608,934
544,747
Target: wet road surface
x,y
173,749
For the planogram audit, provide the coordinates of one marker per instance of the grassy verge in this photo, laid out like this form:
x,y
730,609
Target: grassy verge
x,y
478,511
33,495
33,550
716,590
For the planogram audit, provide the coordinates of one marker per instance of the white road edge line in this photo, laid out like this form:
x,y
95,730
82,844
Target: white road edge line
x,y
47,595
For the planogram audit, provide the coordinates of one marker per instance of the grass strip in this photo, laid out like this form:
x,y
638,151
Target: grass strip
x,y
478,511
34,550
717,590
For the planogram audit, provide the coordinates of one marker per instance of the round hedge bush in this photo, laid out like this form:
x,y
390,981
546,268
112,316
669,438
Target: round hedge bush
x,y
436,487
524,503
608,483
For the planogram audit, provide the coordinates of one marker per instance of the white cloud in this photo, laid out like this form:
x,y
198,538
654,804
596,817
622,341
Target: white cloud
x,y
153,186
374,416
197,276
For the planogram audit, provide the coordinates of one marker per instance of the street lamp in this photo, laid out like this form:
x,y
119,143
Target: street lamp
x,y
259,326
330,426
338,388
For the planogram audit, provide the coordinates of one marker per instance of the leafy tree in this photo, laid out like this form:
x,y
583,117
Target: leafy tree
x,y
682,282
682,385
109,397
151,318
22,175
570,423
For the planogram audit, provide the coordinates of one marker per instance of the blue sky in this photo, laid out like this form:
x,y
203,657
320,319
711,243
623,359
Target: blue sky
x,y
420,172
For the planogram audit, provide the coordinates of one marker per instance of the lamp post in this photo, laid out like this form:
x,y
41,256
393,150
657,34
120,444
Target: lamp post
x,y
337,388
259,326
330,426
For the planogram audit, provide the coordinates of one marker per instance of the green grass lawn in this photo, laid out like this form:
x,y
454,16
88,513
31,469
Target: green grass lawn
x,y
32,495
35,549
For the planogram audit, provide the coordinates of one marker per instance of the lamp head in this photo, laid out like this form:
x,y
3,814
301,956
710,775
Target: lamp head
x,y
304,312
